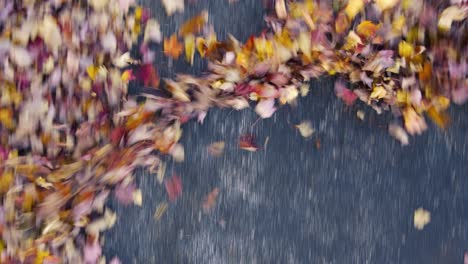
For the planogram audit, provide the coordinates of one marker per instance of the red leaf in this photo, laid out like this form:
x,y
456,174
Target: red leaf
x,y
147,75
173,187
247,142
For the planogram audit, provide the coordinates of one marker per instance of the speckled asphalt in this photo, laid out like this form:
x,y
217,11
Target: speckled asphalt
x,y
351,201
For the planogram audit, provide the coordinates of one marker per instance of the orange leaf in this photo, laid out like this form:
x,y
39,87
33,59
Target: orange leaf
x,y
426,72
367,29
172,47
194,25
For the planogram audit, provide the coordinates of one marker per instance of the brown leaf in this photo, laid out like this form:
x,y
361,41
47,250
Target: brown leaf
x,y
194,25
216,149
210,200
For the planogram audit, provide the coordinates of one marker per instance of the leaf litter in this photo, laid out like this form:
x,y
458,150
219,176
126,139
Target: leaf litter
x,y
70,133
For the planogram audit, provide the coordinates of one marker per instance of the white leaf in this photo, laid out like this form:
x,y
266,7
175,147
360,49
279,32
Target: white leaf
x,y
398,133
137,197
450,14
265,108
178,153
50,33
152,31
20,56
305,128
109,42
98,4
173,6
421,218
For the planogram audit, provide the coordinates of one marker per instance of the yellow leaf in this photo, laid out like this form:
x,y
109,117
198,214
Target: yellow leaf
x,y
414,123
405,49
440,118
126,76
264,48
402,97
353,8
92,71
352,40
40,256
378,93
6,179
284,38
398,24
242,59
441,103
189,42
6,118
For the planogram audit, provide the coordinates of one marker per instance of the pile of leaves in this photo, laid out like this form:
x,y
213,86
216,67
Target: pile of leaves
x,y
70,135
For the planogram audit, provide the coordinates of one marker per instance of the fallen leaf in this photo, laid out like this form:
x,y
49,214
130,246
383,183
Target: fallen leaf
x,y
216,149
265,108
305,129
421,218
367,29
137,197
177,153
172,47
210,200
361,115
152,31
386,4
189,42
348,96
353,8
194,25
247,142
91,252
441,119
398,133
161,172
162,207
173,188
414,123
147,75
450,14
173,6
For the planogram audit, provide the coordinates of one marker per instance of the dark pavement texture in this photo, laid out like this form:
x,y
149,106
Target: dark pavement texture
x,y
351,201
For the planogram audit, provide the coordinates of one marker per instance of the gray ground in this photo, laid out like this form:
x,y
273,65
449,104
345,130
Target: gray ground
x,y
352,201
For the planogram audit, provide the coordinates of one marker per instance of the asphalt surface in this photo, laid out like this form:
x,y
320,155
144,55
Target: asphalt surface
x,y
350,201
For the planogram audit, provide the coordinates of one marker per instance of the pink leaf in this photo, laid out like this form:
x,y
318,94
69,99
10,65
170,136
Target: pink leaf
x,y
82,209
115,260
124,193
92,252
344,93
